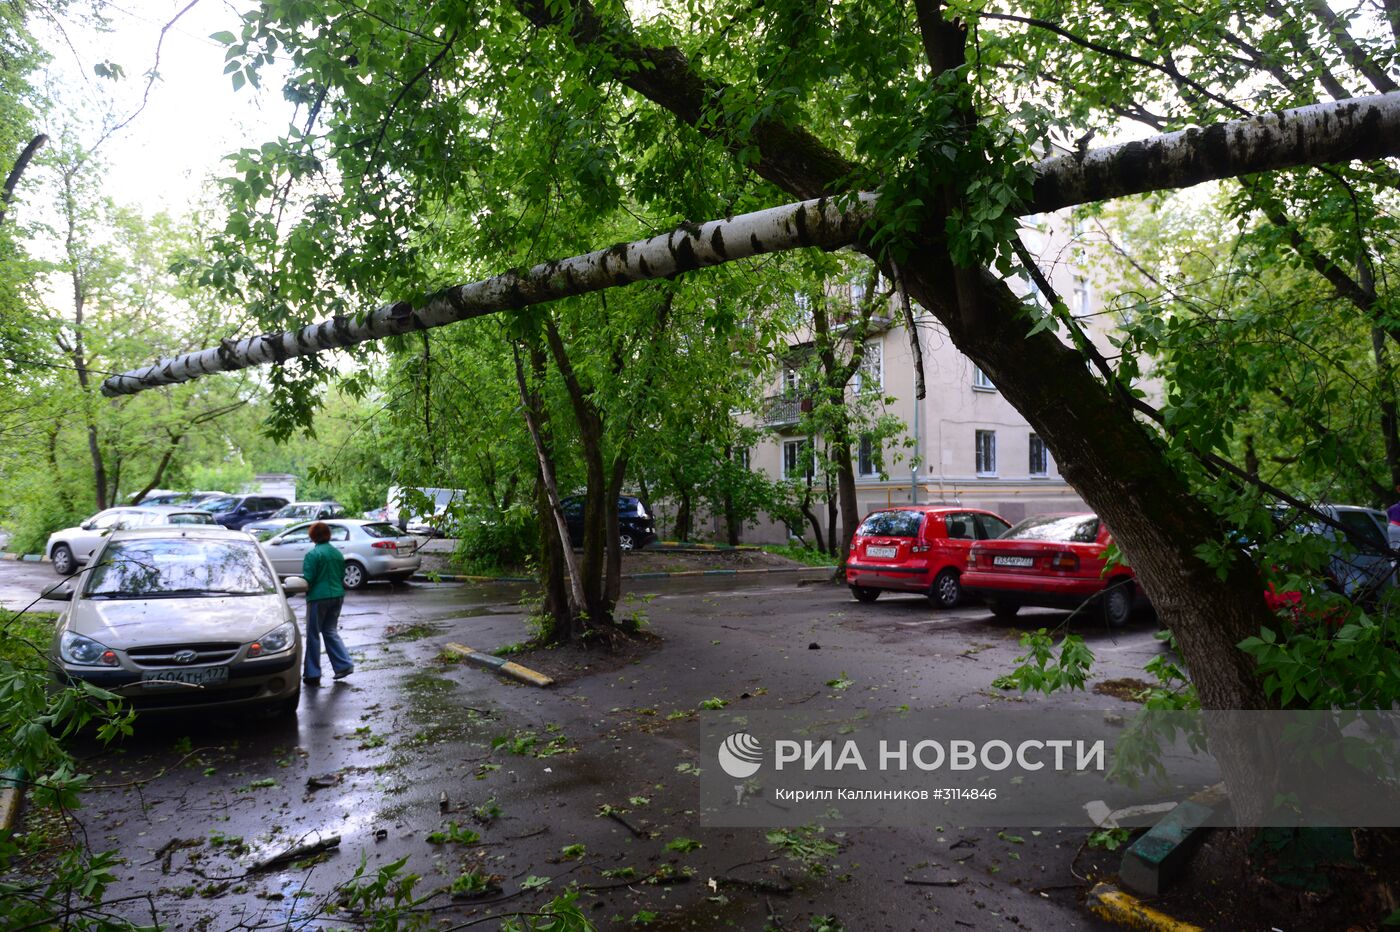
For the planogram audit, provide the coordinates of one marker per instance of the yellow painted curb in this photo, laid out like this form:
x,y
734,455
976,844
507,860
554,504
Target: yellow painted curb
x,y
1108,902
513,670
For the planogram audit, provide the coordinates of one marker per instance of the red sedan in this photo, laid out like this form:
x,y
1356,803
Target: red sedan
x,y
1055,561
917,548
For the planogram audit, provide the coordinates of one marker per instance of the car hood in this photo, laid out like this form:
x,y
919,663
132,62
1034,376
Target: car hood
x,y
127,623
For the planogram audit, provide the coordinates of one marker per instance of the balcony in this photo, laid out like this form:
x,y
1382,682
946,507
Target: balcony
x,y
784,410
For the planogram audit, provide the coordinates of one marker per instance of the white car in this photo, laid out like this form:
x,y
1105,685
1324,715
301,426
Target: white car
x,y
72,547
372,549
181,617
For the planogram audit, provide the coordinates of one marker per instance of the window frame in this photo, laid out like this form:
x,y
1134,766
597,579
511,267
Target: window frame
x,y
985,443
1035,441
981,382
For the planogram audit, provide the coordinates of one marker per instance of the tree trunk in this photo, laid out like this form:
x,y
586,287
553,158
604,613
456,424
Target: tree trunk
x,y
1358,128
160,469
21,163
682,511
555,537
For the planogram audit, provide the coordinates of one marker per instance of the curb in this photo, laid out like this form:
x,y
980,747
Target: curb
x,y
11,792
678,546
26,557
1109,903
500,665
447,577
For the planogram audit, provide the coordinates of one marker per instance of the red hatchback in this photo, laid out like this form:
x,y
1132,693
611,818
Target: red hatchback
x,y
1052,560
917,548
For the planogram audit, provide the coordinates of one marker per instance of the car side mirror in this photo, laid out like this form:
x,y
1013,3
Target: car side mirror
x,y
59,592
294,585
86,525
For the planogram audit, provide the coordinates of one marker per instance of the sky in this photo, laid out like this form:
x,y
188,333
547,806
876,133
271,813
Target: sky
x,y
163,158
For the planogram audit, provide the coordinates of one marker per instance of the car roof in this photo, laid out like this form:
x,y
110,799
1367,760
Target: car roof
x,y
316,501
195,531
940,508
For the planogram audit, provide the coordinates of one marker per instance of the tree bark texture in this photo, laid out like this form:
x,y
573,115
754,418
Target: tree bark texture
x,y
1358,128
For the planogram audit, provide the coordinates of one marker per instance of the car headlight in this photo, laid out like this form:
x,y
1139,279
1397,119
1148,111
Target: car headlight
x,y
275,641
84,651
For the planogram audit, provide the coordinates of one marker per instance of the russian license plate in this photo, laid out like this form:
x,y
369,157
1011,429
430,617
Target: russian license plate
x,y
1013,561
884,552
184,679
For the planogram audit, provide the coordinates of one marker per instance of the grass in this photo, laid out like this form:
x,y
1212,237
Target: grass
x,y
808,556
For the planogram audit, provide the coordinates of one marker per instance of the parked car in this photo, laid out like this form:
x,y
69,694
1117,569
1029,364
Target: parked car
x,y
1361,565
235,511
917,548
176,618
295,513
434,521
635,526
72,547
1055,561
372,549
181,498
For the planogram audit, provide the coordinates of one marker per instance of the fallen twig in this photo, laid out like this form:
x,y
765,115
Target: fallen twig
x,y
300,851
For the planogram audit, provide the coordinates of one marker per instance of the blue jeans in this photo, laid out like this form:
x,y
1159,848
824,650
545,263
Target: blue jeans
x,y
322,617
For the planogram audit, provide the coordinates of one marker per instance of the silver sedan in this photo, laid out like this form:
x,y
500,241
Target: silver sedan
x,y
372,549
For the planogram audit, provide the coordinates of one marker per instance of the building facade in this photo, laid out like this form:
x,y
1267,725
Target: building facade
x,y
963,443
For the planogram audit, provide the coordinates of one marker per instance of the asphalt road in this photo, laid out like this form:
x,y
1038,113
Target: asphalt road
x,y
404,747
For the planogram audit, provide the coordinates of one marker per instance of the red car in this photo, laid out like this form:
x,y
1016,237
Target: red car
x,y
1055,561
916,548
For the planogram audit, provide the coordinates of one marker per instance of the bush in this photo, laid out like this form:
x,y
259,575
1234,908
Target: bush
x,y
504,541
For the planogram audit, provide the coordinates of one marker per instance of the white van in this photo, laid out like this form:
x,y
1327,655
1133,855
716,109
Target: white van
x,y
429,524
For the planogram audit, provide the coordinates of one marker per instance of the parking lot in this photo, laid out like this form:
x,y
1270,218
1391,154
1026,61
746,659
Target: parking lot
x,y
404,748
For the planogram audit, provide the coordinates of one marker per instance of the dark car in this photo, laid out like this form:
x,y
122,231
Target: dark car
x,y
234,511
917,548
635,527
1056,561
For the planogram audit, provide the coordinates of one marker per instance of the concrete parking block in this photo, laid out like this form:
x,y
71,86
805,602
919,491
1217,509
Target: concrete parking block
x,y
11,792
1158,857
1108,902
501,665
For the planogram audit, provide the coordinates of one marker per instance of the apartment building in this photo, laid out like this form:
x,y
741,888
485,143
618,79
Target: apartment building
x,y
963,444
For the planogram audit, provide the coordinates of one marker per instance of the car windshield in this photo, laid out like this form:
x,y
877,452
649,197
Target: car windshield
x,y
191,517
220,505
1075,529
297,511
891,524
380,530
1362,530
147,568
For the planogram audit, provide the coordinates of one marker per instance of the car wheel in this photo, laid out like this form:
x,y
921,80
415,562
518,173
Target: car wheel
x,y
865,594
625,542
63,562
1003,610
355,576
946,590
1116,603
287,708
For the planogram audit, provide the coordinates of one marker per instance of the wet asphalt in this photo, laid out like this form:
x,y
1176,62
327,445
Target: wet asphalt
x,y
404,748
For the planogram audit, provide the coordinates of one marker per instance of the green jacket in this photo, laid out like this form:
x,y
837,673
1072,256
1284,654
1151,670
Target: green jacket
x,y
324,569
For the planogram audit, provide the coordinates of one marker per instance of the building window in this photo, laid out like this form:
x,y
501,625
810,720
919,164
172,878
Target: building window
x,y
792,381
980,381
803,301
797,460
870,377
1081,296
868,459
742,458
857,294
986,453
1040,458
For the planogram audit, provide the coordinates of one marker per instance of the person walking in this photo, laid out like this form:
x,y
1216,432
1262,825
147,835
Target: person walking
x,y
324,569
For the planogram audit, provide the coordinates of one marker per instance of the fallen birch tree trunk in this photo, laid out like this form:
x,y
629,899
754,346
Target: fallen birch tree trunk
x,y
1359,128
